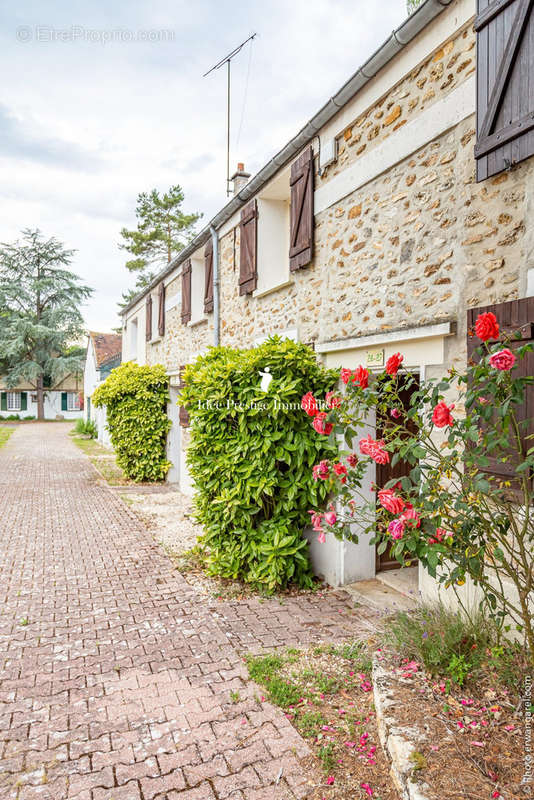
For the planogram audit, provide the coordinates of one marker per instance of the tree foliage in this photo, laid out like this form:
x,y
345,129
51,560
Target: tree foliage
x,y
136,400
40,312
163,230
250,458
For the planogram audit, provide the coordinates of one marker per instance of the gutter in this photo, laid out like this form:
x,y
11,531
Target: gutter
x,y
216,297
398,40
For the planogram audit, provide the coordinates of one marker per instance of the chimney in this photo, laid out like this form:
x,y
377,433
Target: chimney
x,y
239,178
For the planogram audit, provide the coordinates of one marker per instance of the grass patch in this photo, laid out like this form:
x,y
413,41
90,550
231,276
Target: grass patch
x,y
5,433
462,650
103,460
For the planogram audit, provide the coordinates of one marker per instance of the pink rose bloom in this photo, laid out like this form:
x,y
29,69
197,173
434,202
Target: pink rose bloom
x,y
441,416
321,538
411,517
352,460
330,518
396,528
390,501
503,360
316,519
320,425
321,471
375,450
395,413
345,375
332,400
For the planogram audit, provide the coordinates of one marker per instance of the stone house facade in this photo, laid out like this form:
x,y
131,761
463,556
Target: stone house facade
x,y
404,239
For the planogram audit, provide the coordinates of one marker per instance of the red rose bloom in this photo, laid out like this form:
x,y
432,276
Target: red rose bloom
x,y
352,460
345,375
341,471
503,360
441,416
391,501
320,425
361,377
309,404
487,327
393,363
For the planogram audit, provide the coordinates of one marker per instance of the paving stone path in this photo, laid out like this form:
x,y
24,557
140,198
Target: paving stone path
x,y
115,674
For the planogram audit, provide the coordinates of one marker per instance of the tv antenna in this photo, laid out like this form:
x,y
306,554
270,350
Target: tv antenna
x,y
226,60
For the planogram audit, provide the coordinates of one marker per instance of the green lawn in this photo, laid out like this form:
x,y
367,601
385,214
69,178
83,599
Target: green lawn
x,y
5,433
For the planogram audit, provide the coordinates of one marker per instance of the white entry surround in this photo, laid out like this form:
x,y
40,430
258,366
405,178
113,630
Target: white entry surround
x,y
344,562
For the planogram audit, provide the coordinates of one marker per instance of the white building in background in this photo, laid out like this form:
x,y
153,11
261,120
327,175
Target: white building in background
x,y
62,400
104,353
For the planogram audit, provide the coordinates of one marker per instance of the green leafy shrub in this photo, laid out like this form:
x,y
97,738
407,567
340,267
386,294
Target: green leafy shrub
x,y
86,428
136,398
250,457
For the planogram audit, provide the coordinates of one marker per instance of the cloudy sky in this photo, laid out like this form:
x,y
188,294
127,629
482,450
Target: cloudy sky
x,y
102,100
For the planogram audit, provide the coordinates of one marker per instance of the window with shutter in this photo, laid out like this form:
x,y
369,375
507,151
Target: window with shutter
x,y
161,310
208,283
186,292
248,248
505,75
183,413
301,219
149,318
511,316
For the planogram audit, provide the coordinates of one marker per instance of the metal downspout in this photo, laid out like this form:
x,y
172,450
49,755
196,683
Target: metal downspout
x,y
216,283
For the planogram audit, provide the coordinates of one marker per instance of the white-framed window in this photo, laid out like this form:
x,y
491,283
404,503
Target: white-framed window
x,y
133,338
273,233
73,401
13,401
198,280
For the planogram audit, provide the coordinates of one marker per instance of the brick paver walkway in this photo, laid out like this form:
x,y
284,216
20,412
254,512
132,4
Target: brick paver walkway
x,y
115,674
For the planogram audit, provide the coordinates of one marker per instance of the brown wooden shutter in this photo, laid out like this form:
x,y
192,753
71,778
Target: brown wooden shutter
x,y
505,74
183,413
149,318
186,292
208,278
161,310
511,316
248,248
301,214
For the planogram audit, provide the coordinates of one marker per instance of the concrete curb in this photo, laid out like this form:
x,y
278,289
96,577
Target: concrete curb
x,y
397,742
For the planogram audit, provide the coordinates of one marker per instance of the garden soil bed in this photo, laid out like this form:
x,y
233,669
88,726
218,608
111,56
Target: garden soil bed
x,y
470,743
326,694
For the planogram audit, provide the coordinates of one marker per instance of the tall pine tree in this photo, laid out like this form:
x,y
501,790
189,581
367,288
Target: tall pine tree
x,y
163,230
40,311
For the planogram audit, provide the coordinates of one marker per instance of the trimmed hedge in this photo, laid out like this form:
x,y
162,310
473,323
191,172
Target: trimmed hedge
x,y
250,457
136,400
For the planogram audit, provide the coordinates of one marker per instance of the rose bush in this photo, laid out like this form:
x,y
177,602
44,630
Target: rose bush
x,y
453,511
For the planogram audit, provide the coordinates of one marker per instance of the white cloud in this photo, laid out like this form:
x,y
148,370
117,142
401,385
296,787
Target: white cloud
x,y
85,127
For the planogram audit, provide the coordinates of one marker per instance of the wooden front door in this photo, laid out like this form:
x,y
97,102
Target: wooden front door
x,y
385,473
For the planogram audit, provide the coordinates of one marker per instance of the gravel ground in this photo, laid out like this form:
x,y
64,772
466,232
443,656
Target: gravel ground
x,y
168,516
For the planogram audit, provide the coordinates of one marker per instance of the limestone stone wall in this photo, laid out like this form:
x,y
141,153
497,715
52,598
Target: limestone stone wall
x,y
418,244
444,70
